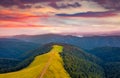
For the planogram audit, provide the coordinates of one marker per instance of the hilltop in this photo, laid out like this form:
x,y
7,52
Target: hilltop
x,y
74,61
36,69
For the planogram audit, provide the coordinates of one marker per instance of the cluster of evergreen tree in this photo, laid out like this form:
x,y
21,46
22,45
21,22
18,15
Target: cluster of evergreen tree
x,y
80,64
7,65
77,63
111,60
112,69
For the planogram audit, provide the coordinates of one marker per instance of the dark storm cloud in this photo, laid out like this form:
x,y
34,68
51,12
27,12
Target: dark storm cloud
x,y
20,3
54,5
90,14
109,4
37,1
7,3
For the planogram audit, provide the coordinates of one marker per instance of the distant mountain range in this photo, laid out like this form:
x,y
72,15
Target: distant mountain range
x,y
109,54
16,45
82,42
13,48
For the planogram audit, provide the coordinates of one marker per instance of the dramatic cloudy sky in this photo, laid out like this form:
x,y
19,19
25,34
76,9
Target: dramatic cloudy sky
x,y
75,17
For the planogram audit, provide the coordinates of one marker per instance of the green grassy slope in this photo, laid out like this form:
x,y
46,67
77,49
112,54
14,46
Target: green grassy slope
x,y
65,58
35,69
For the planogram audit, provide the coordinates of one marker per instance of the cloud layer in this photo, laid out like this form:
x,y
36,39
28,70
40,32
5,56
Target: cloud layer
x,y
59,16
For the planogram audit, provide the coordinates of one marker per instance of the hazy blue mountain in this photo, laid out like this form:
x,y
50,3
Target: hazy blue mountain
x,y
13,48
82,42
109,54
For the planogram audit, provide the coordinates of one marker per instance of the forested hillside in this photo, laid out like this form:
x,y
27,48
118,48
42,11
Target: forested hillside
x,y
77,62
111,60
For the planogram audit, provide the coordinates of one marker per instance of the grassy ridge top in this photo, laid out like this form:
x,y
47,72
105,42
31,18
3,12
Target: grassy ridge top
x,y
35,69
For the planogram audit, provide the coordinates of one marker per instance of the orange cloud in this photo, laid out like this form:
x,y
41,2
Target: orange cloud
x,y
11,24
9,19
24,26
11,15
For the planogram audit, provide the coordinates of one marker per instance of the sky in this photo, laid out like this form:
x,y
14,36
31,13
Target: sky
x,y
69,17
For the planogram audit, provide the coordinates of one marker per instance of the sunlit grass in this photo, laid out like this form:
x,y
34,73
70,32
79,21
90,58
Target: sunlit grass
x,y
55,69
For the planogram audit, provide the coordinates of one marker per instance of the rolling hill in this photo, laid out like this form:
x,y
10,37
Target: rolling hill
x,y
54,67
71,60
68,60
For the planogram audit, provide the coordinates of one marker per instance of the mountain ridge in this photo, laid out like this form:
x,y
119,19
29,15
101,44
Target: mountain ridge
x,y
82,42
88,64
